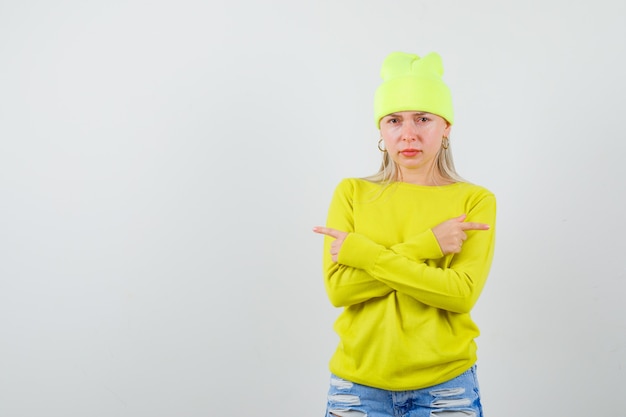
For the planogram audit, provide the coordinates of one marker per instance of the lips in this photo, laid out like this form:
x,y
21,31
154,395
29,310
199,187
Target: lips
x,y
410,152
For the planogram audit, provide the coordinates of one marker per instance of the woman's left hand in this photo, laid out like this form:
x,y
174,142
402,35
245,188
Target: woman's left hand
x,y
339,236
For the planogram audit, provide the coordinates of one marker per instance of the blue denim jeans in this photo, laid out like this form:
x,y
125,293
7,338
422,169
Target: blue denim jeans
x,y
458,397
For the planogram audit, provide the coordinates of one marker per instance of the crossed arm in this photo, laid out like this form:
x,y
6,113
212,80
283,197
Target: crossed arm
x,y
450,235
367,270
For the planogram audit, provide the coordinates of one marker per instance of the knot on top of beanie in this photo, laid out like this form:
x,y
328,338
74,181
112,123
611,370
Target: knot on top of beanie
x,y
398,64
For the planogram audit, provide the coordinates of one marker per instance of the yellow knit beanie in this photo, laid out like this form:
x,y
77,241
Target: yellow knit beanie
x,y
411,83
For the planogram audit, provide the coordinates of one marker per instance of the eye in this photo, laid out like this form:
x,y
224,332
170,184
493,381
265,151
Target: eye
x,y
423,119
392,120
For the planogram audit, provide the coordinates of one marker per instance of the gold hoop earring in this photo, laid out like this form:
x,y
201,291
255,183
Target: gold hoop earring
x,y
445,142
379,148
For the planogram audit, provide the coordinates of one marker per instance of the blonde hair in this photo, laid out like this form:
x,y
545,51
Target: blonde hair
x,y
444,166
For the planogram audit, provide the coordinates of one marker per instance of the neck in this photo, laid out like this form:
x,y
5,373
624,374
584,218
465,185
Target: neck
x,y
429,178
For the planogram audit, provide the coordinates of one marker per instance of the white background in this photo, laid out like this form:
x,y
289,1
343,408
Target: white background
x,y
162,164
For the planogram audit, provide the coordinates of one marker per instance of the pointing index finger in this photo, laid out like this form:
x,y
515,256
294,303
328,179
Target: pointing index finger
x,y
327,231
474,226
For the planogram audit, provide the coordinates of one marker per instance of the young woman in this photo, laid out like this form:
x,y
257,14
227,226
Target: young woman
x,y
406,254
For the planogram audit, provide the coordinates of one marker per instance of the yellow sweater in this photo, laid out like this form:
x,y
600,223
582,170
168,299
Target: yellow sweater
x,y
406,321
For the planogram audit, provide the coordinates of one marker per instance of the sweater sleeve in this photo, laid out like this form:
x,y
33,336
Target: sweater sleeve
x,y
453,283
347,285
419,247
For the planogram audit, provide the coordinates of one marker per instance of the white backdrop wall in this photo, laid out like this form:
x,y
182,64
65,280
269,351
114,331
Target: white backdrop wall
x,y
162,164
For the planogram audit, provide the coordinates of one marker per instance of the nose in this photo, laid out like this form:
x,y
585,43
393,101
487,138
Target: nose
x,y
409,133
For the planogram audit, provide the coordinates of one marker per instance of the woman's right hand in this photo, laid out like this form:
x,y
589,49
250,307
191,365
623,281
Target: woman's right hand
x,y
451,233
339,237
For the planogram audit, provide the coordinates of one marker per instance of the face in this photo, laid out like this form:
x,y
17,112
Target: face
x,y
413,140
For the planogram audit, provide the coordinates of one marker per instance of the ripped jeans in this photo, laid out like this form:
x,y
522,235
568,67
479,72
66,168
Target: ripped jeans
x,y
458,397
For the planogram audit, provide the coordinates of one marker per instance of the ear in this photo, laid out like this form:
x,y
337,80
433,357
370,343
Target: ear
x,y
446,131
